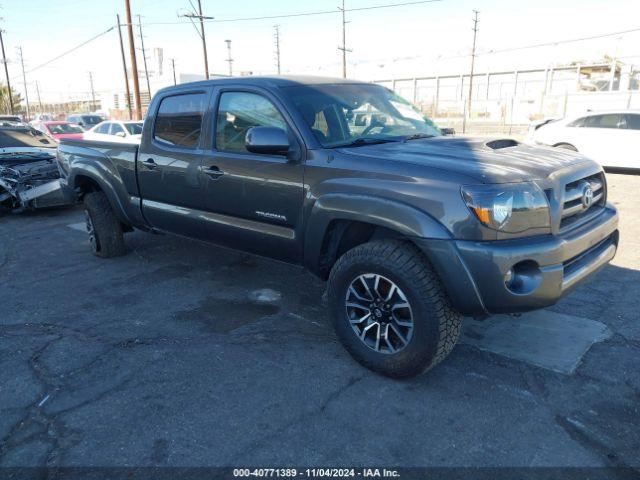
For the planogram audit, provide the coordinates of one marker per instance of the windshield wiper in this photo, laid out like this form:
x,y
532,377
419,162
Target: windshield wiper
x,y
358,142
417,136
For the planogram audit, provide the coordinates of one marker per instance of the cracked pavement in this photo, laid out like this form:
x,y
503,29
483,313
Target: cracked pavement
x,y
170,356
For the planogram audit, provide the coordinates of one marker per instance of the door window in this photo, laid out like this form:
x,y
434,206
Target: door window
x,y
104,128
115,129
237,113
633,121
179,120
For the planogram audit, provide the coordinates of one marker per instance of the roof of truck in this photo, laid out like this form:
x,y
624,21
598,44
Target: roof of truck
x,y
273,81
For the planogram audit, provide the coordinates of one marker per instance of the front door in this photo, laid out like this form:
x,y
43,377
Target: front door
x,y
253,201
169,164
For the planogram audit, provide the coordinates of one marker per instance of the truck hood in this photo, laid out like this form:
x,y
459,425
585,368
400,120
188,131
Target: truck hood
x,y
487,161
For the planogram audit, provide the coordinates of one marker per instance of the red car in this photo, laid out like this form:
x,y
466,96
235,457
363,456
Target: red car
x,y
59,130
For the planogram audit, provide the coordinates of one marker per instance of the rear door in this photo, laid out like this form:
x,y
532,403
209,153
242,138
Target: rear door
x,y
602,138
169,164
253,201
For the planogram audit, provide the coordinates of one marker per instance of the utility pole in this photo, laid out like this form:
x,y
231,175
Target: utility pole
x,y
204,41
6,72
93,93
202,18
344,41
144,56
24,81
124,66
173,67
38,93
277,40
229,59
134,63
473,59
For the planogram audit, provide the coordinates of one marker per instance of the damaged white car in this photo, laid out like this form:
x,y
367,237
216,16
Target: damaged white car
x,y
29,175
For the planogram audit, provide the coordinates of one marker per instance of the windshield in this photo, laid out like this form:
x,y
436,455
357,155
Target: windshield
x,y
91,119
24,137
62,128
134,128
341,115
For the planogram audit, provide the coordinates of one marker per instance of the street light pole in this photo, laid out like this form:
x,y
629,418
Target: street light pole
x,y
473,58
229,59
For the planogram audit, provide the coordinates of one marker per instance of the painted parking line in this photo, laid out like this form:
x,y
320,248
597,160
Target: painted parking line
x,y
547,339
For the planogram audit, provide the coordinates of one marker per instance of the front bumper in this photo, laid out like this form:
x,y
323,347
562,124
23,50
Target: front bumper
x,y
544,268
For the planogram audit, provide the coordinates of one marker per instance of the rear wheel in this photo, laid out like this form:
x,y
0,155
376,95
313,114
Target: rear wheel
x,y
104,228
390,310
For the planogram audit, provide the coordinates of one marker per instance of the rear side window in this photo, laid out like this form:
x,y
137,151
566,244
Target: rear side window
x,y
179,120
577,123
633,121
612,120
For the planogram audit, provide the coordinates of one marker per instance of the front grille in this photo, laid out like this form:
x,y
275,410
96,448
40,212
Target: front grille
x,y
575,205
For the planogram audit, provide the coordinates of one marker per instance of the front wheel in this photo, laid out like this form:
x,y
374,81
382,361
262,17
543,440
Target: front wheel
x,y
390,310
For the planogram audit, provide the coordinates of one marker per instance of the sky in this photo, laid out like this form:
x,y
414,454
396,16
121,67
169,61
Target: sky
x,y
398,42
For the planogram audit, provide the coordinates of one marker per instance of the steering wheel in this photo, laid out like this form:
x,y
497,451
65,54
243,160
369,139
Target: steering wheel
x,y
376,124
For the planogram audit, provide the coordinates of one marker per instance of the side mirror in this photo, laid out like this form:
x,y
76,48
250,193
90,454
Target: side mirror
x,y
448,131
120,134
267,140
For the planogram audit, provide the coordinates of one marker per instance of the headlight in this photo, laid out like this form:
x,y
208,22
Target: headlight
x,y
508,207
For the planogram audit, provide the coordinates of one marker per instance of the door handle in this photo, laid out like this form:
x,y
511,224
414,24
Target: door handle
x,y
150,163
213,171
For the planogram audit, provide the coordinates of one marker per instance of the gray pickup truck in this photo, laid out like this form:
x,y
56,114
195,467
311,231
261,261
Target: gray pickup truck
x,y
411,229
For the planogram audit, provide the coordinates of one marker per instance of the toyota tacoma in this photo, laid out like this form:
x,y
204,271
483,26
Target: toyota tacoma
x,y
411,229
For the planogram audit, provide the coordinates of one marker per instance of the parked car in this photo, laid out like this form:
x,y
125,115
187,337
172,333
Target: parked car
x,y
611,138
410,228
11,118
29,176
59,130
42,117
115,131
86,121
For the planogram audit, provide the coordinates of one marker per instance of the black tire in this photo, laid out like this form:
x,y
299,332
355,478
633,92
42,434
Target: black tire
x,y
436,325
104,228
567,146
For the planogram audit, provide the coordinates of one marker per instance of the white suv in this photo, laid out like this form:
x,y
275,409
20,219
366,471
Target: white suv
x,y
611,138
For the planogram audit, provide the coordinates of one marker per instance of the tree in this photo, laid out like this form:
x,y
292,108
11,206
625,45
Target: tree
x,y
4,99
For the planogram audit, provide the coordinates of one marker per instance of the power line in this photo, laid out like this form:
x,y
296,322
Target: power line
x,y
299,14
71,50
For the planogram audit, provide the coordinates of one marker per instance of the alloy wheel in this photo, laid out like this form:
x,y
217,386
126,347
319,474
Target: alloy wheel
x,y
379,313
91,231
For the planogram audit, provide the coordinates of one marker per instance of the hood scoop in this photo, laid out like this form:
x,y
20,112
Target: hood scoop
x,y
502,143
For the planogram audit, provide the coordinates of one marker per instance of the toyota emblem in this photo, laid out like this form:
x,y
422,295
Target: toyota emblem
x,y
587,196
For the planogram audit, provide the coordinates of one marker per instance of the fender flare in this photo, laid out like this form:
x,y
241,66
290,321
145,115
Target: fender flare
x,y
404,219
115,194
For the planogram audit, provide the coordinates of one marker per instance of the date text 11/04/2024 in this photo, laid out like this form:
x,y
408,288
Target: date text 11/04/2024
x,y
316,472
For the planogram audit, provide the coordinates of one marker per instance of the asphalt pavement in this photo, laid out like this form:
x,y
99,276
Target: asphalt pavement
x,y
187,354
